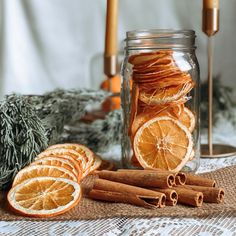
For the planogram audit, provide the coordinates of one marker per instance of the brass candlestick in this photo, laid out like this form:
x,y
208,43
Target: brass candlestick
x,y
110,53
210,27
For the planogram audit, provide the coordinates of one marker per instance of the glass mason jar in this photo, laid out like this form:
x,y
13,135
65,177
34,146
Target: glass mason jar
x,y
160,101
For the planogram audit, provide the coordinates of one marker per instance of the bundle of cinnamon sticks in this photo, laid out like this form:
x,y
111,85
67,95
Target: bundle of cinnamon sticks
x,y
155,188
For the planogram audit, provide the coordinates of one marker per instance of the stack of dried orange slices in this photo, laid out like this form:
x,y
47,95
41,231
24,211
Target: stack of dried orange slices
x,y
161,125
51,184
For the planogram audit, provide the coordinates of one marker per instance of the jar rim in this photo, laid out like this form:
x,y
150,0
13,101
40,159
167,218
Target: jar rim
x,y
182,39
160,33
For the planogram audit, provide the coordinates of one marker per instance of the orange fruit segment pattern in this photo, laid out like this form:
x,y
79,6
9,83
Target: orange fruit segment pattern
x,y
43,170
68,163
44,196
80,159
160,91
163,143
85,152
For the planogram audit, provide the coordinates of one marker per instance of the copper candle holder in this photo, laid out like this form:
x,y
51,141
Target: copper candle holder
x,y
210,26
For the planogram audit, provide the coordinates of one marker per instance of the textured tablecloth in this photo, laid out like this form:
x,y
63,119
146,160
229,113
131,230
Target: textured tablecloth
x,y
224,224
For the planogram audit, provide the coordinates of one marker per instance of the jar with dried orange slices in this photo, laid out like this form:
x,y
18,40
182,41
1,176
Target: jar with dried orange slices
x,y
160,101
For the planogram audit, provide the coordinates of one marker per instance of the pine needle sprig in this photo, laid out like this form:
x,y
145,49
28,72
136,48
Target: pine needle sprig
x,y
99,135
61,107
22,136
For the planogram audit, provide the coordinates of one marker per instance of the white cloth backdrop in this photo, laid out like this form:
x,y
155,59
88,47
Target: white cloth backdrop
x,y
49,43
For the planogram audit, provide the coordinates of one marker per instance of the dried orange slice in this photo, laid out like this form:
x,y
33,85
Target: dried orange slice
x,y
143,117
187,118
143,59
44,196
175,80
42,170
97,163
138,122
68,163
79,148
177,110
163,143
134,104
165,95
64,152
163,64
155,76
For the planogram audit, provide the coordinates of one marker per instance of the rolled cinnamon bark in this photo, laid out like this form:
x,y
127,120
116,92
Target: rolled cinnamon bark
x,y
140,178
210,194
109,186
189,196
171,195
171,203
199,181
138,200
180,178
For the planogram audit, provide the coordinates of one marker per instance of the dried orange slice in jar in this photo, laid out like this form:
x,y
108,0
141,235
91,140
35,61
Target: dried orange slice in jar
x,y
44,196
187,118
134,104
146,59
165,95
176,110
42,170
174,80
163,143
143,117
68,163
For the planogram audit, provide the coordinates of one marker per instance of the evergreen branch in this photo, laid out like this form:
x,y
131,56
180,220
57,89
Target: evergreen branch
x,y
28,124
99,135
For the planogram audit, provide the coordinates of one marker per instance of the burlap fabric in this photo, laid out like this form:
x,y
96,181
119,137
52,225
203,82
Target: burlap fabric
x,y
89,209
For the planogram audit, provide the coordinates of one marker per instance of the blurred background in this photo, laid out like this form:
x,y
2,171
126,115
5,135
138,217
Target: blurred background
x,y
46,44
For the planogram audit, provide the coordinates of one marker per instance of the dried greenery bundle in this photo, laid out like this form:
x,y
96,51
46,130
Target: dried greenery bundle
x,y
100,134
61,107
22,136
30,123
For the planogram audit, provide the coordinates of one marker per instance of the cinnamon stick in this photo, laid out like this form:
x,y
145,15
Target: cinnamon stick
x,y
210,194
138,200
180,178
199,181
154,198
140,178
171,203
171,195
189,196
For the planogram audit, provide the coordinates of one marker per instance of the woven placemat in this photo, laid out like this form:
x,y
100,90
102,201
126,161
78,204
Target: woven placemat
x,y
89,209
